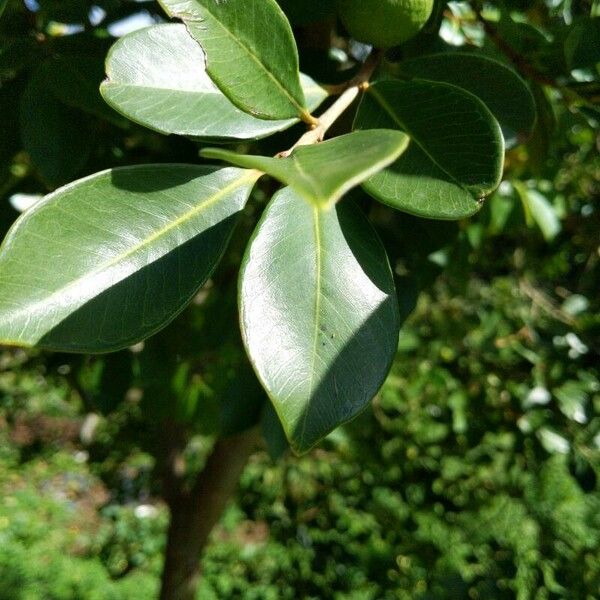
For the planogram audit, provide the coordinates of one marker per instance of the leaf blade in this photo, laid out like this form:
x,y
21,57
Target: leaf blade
x,y
320,284
124,273
57,138
324,172
498,86
259,74
539,210
451,161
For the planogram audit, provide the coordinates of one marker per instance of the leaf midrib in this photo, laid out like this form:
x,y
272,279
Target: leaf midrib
x,y
301,109
111,83
317,309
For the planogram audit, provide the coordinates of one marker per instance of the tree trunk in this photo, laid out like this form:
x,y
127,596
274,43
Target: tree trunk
x,y
195,511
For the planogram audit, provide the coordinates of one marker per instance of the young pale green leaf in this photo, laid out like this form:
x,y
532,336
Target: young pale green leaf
x,y
251,53
324,172
538,209
498,86
319,314
108,260
157,77
455,156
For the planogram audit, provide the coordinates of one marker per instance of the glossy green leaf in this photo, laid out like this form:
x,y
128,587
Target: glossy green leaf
x,y
108,260
540,143
157,77
3,4
273,433
455,156
324,172
498,86
319,314
251,53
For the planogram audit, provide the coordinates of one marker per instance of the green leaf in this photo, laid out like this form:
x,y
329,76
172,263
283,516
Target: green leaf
x,y
498,86
540,144
157,77
572,400
251,53
455,156
57,138
319,314
243,400
3,4
109,260
539,209
323,173
582,43
74,80
273,433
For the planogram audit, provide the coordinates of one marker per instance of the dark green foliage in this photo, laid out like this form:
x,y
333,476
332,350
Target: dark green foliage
x,y
452,486
230,71
475,472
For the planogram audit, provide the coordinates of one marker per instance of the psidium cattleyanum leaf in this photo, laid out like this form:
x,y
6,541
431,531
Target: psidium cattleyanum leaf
x,y
456,152
498,86
324,172
318,312
157,77
108,260
250,51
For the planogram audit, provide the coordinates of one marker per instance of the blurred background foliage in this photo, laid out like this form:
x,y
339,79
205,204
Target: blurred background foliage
x,y
475,472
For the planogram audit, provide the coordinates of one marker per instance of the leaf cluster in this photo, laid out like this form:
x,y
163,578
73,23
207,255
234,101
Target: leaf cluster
x,y
319,299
